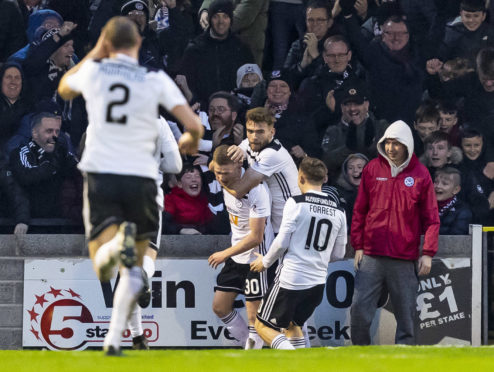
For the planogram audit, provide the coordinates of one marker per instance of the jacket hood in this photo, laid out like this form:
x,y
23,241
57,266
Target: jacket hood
x,y
9,64
400,131
36,20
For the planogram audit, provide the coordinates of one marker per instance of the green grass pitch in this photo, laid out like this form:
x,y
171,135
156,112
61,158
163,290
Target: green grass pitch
x,y
366,359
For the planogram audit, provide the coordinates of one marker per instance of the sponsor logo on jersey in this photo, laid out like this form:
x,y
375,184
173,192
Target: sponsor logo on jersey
x,y
381,178
409,181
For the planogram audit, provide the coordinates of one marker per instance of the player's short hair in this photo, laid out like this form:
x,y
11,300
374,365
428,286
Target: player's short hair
x,y
427,112
449,171
231,100
260,115
437,136
38,118
314,170
220,155
121,32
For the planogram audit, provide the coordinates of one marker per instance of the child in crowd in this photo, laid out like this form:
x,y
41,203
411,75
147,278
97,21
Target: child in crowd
x,y
454,68
477,189
186,206
426,122
454,214
448,121
439,152
349,181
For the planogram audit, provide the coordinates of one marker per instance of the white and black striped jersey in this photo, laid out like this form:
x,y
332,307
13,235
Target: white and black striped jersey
x,y
215,194
255,204
281,173
167,156
313,233
122,101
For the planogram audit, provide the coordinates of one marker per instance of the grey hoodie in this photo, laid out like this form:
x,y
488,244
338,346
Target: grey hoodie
x,y
400,131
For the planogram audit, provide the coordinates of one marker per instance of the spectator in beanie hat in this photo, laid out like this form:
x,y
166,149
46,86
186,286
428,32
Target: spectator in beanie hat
x,y
293,129
152,52
211,60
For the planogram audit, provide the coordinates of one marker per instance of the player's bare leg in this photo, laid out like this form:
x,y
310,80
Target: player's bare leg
x,y
103,251
254,341
223,308
272,337
295,335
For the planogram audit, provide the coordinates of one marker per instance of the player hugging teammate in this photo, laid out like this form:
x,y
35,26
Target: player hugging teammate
x,y
316,215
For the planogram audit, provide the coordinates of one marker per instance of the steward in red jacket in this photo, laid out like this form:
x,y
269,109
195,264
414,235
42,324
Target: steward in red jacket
x,y
395,204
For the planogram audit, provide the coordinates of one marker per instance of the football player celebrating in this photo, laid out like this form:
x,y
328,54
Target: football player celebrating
x,y
251,233
312,233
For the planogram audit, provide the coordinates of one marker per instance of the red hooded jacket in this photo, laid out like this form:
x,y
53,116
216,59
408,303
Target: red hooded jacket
x,y
395,206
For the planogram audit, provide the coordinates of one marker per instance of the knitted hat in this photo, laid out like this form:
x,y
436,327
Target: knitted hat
x,y
42,33
248,68
131,5
280,75
220,6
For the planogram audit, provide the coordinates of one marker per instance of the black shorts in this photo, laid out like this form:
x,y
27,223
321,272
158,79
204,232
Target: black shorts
x,y
111,199
155,240
281,306
235,277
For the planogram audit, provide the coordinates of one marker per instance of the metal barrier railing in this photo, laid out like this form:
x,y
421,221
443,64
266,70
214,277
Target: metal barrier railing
x,y
487,282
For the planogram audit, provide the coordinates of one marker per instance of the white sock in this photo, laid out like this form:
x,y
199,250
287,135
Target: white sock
x,y
282,343
305,331
236,326
148,266
135,322
258,341
297,342
123,301
106,253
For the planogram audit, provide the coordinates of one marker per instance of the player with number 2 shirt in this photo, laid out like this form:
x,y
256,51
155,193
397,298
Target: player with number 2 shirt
x,y
118,163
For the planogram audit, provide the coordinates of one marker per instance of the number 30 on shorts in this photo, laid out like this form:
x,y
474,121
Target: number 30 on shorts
x,y
252,286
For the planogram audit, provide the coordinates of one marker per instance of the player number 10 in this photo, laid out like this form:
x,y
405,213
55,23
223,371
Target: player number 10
x,y
318,227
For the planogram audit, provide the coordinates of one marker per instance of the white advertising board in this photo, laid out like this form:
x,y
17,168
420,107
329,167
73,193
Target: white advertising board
x,y
66,308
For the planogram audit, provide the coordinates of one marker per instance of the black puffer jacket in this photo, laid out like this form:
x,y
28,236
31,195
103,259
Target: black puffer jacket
x,y
211,65
460,42
455,218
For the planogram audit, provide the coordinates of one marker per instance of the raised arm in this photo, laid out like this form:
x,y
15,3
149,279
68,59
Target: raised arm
x,y
99,51
250,179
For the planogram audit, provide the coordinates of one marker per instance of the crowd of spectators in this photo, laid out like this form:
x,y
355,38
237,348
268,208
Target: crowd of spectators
x,y
334,73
